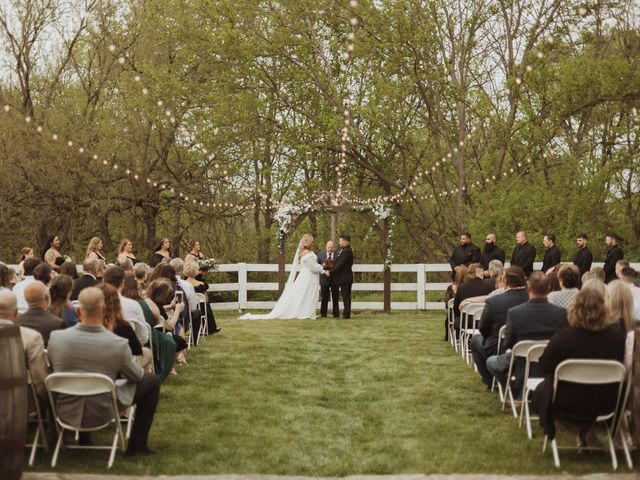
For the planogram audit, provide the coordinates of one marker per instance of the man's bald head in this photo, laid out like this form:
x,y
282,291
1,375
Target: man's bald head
x,y
8,305
36,295
91,306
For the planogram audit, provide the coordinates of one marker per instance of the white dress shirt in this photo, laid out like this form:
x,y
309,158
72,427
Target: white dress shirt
x,y
18,291
132,313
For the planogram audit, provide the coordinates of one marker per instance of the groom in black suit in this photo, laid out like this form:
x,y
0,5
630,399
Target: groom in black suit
x,y
342,275
327,286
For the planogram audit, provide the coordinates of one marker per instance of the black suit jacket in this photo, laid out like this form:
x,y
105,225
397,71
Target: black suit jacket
x,y
523,256
535,320
464,255
476,287
613,255
494,315
583,259
551,258
81,283
341,271
322,256
41,321
494,254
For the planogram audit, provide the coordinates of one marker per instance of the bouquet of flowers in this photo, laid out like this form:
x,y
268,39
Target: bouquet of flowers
x,y
207,264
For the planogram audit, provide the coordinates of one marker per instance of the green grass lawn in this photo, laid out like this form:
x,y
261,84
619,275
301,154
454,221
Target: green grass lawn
x,y
376,394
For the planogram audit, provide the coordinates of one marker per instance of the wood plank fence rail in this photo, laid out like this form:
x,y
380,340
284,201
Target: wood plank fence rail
x,y
420,287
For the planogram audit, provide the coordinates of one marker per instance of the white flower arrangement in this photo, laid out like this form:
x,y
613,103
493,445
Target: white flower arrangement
x,y
208,264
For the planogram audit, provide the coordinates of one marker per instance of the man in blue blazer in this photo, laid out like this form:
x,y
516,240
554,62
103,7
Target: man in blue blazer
x,y
328,288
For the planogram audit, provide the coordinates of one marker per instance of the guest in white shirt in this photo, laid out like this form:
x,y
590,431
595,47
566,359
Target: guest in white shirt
x,y
628,276
30,265
131,310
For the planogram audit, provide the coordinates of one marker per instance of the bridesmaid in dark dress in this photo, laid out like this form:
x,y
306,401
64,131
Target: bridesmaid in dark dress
x,y
161,251
125,251
191,271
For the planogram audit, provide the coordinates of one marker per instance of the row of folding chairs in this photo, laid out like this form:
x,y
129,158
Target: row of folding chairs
x,y
584,371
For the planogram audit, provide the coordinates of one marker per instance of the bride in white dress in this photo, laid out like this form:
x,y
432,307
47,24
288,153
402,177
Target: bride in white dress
x,y
300,296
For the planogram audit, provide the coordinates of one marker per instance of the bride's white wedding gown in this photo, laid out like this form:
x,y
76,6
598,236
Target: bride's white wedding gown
x,y
299,299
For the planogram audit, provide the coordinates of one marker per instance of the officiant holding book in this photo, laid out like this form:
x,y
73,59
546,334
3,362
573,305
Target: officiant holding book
x,y
328,287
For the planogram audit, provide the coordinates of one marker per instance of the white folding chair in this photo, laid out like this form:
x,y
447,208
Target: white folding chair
x,y
469,317
204,322
520,349
150,333
590,372
453,339
82,385
40,437
529,385
494,382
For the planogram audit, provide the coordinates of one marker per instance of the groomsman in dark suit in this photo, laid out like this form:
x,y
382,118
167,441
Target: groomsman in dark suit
x,y
614,253
464,254
552,255
327,286
342,274
584,257
524,254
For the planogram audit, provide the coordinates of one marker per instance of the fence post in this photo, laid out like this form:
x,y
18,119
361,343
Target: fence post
x,y
242,286
421,284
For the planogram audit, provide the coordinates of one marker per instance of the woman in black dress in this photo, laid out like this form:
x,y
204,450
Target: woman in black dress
x,y
191,271
161,251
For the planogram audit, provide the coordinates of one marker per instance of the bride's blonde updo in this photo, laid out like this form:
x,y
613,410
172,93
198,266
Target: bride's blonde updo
x,y
306,241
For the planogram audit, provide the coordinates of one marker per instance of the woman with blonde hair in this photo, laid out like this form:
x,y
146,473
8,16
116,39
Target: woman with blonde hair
x,y
589,335
94,249
125,251
620,303
300,296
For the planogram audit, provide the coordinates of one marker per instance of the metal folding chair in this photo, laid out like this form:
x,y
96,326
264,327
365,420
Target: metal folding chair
x,y
494,382
40,437
469,317
530,384
520,349
591,372
83,385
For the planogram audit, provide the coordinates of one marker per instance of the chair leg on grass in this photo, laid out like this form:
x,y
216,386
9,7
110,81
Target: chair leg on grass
x,y
554,450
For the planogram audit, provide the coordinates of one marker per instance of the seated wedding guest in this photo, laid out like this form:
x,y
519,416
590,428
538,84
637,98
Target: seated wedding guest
x,y
30,265
51,252
126,265
190,292
536,319
69,268
37,316
492,271
552,253
91,270
43,273
474,287
619,302
130,287
589,335
94,250
628,277
114,322
554,281
161,252
461,272
131,310
501,285
524,254
191,271
569,279
26,252
125,252
32,343
599,273
620,264
89,347
165,270
60,292
494,316
141,271
193,247
5,277
159,294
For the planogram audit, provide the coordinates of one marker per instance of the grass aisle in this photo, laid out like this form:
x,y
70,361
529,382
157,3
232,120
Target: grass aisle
x,y
373,395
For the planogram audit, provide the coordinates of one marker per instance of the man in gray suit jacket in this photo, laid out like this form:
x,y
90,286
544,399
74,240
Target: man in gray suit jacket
x,y
89,347
37,317
535,320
